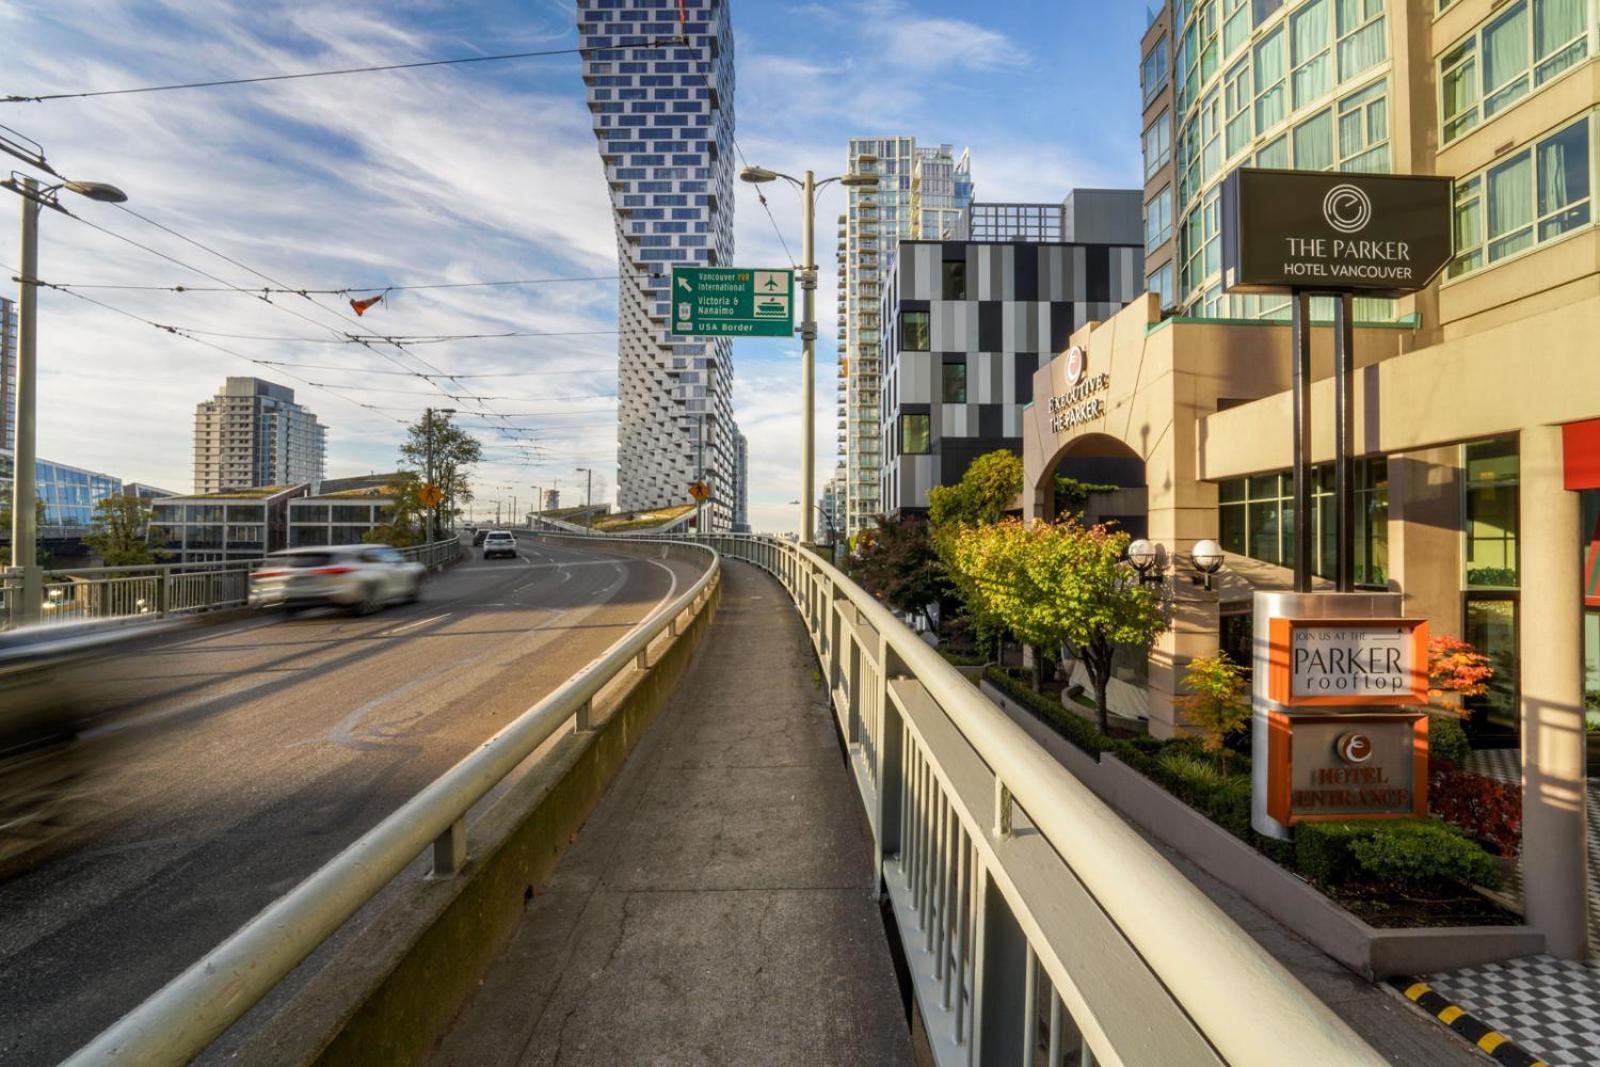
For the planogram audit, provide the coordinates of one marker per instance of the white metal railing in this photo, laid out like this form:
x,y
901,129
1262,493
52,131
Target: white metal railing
x,y
178,1021
160,590
1033,917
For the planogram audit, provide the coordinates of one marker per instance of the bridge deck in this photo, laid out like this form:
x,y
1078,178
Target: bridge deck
x,y
719,905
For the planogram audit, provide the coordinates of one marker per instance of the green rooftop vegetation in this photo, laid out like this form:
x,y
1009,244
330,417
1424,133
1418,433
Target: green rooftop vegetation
x,y
256,493
638,520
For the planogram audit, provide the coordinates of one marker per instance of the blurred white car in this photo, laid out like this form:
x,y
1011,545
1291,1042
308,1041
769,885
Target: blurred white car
x,y
499,543
363,578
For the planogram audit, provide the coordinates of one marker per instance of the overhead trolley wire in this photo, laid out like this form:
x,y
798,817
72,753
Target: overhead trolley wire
x,y
349,290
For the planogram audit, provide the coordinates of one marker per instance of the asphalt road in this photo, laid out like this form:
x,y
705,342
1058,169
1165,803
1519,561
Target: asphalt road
x,y
236,759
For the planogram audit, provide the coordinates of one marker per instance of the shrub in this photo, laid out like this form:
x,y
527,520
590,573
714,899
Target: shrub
x,y
1198,772
1080,732
1423,851
1216,701
1489,810
1447,741
1322,850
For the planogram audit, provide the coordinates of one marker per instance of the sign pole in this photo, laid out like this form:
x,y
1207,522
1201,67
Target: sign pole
x,y
1300,327
1344,489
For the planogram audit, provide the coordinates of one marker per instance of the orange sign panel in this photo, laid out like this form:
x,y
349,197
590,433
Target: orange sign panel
x,y
430,495
700,490
1348,662
1324,766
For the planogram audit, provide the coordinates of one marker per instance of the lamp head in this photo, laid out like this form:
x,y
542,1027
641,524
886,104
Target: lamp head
x,y
1207,556
757,175
859,181
104,192
1142,554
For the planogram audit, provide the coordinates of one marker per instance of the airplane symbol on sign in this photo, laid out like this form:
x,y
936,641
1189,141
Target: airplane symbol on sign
x,y
772,283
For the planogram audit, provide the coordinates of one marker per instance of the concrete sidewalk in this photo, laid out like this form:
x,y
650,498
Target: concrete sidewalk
x,y
719,906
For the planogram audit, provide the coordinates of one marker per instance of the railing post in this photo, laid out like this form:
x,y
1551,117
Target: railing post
x,y
1001,978
584,717
450,850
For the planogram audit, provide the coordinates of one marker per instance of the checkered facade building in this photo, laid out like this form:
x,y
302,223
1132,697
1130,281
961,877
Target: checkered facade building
x,y
966,325
663,116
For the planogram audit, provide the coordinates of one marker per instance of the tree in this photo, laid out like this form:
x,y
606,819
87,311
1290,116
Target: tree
x,y
1072,495
404,525
454,451
897,563
42,555
1455,670
1061,583
1215,702
121,524
987,491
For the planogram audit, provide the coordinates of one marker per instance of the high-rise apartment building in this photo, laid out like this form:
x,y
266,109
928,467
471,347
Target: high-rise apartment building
x,y
253,434
661,95
8,374
741,482
921,195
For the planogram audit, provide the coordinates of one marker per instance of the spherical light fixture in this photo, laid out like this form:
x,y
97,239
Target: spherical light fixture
x,y
1143,555
1207,557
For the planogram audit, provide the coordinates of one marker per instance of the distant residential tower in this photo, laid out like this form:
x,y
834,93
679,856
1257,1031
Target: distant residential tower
x,y
253,434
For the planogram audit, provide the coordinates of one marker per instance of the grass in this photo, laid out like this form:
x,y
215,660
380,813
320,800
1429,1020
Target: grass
x,y
642,519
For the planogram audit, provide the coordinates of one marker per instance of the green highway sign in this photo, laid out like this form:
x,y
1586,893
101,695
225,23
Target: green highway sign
x,y
732,302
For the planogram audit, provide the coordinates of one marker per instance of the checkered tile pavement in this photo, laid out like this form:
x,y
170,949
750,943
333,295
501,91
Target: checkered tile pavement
x,y
1550,1007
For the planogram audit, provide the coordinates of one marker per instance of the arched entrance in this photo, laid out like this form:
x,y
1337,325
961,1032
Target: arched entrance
x,y
1094,459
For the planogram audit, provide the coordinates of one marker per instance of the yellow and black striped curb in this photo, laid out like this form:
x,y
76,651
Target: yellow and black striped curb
x,y
1490,1040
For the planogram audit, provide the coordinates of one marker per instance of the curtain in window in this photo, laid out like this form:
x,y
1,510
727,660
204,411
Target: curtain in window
x,y
1269,73
1458,87
1362,50
1555,24
1505,51
1564,181
1309,27
1313,143
1510,189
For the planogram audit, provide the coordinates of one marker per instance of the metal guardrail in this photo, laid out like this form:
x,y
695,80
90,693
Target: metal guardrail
x,y
1032,915
178,1021
162,590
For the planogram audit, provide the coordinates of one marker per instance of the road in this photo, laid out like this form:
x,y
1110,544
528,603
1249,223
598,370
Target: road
x,y
238,758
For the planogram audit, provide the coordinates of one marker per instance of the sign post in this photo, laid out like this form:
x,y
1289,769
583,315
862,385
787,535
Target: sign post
x,y
732,302
1337,675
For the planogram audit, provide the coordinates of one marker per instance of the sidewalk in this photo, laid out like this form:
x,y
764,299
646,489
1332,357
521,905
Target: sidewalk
x,y
719,905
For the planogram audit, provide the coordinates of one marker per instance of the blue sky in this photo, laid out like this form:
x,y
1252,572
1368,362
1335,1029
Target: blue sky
x,y
481,173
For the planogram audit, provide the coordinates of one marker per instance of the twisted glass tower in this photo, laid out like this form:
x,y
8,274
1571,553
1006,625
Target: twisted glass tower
x,y
661,94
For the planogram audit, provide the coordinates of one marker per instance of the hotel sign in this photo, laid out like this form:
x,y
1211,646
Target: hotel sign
x,y
1344,662
1376,234
1081,402
1347,766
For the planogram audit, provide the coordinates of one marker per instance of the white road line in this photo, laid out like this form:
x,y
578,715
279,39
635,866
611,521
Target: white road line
x,y
414,625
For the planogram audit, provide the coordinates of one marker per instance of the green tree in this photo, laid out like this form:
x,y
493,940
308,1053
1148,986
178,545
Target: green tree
x,y
121,527
454,452
1072,496
1062,583
404,525
1215,702
897,563
42,556
987,491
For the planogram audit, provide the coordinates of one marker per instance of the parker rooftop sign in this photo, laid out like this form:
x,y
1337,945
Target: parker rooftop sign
x,y
1380,234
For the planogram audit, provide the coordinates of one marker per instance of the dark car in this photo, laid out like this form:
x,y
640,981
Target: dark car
x,y
478,536
499,543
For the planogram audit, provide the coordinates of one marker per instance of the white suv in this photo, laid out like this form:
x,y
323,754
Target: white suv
x,y
499,543
363,578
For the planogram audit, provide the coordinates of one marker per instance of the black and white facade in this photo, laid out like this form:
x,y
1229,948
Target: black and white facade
x,y
966,325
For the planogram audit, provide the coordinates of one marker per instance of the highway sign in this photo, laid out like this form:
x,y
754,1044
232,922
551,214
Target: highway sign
x,y
430,495
732,302
700,491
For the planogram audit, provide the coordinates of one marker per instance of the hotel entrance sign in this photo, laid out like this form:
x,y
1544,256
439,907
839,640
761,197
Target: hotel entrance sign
x,y
1376,234
1339,662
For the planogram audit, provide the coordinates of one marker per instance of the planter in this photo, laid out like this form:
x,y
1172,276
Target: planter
x,y
1370,951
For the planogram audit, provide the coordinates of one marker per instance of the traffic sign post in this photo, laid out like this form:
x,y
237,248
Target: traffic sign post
x,y
732,302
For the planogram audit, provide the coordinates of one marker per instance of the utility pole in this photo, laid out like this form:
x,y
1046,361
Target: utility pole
x,y
808,343
427,475
588,496
24,521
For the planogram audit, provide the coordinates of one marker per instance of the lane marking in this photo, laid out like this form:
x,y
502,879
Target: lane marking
x,y
413,625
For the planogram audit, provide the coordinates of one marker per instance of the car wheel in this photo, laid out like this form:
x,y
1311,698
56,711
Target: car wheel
x,y
370,600
414,593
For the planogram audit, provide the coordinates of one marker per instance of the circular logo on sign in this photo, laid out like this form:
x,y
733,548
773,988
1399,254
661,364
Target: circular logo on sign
x,y
1355,747
1347,208
1077,360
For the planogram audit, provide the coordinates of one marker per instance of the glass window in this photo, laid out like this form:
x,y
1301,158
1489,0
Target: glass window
x,y
1364,130
1560,36
1510,215
1275,154
1468,228
351,512
1458,89
915,436
310,513
1157,144
1534,195
1160,283
1311,43
1524,47
1235,25
1264,9
247,513
954,389
955,280
1153,73
1491,627
1505,59
1491,513
1237,99
1271,105
1158,220
1563,176
913,331
1362,41
1313,143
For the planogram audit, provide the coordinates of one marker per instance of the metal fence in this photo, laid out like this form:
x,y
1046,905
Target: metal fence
x,y
1035,920
189,1012
96,593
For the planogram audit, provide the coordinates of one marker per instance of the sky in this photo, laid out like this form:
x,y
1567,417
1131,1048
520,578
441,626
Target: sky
x,y
483,172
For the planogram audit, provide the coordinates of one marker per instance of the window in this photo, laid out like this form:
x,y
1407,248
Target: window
x,y
1275,154
1269,81
1264,9
1505,59
955,280
1362,44
1458,89
1492,476
1256,519
1210,136
1364,130
1157,144
1235,25
1160,283
913,331
1524,47
954,385
1153,72
915,437
1313,143
1531,196
1309,41
1158,220
1236,100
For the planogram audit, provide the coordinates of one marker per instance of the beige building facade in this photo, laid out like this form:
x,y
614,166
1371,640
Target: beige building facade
x,y
1477,401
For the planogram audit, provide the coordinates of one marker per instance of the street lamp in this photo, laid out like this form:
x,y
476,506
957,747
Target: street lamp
x,y
809,187
588,491
1144,555
1207,558
24,524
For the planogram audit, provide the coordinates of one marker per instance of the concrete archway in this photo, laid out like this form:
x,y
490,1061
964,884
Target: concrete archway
x,y
1097,459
